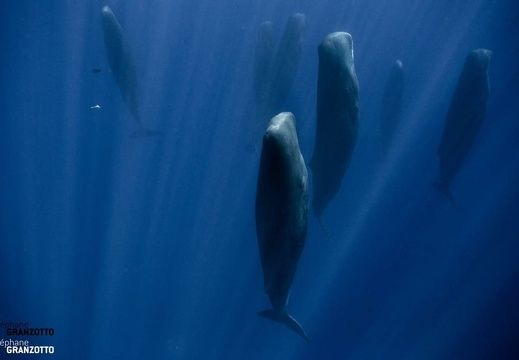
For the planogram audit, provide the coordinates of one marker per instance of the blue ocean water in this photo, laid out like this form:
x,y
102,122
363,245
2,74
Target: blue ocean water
x,y
146,248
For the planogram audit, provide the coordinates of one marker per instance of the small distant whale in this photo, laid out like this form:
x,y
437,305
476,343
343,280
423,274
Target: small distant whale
x,y
337,117
281,215
466,113
286,61
122,65
276,68
391,107
264,54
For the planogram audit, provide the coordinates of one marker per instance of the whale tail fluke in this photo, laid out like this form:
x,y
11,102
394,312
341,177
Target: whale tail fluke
x,y
444,189
143,132
286,319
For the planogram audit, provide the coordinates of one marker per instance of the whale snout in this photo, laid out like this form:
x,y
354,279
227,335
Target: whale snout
x,y
480,58
106,11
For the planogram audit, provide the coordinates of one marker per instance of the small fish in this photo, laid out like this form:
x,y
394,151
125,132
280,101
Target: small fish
x,y
96,70
97,106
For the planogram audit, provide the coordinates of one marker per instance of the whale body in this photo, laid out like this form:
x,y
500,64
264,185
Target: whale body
x,y
466,113
276,67
286,61
391,107
337,117
264,55
121,63
281,215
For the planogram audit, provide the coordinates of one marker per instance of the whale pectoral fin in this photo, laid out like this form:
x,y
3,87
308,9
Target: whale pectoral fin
x,y
143,132
285,319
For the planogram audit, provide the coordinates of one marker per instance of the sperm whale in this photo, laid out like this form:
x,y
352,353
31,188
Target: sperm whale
x,y
122,65
281,215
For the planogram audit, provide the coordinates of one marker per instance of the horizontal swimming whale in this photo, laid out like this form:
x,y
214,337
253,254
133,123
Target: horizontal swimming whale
x,y
281,215
337,117
122,65
466,113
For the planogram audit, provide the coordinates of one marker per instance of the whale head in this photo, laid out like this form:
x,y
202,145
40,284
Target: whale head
x,y
106,11
281,131
479,58
297,22
337,48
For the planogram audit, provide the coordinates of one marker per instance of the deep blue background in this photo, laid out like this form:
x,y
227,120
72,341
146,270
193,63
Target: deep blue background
x,y
145,248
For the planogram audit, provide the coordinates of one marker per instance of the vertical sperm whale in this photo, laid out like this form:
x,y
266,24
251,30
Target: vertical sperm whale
x,y
337,117
286,61
466,113
391,107
122,65
276,67
264,55
281,215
